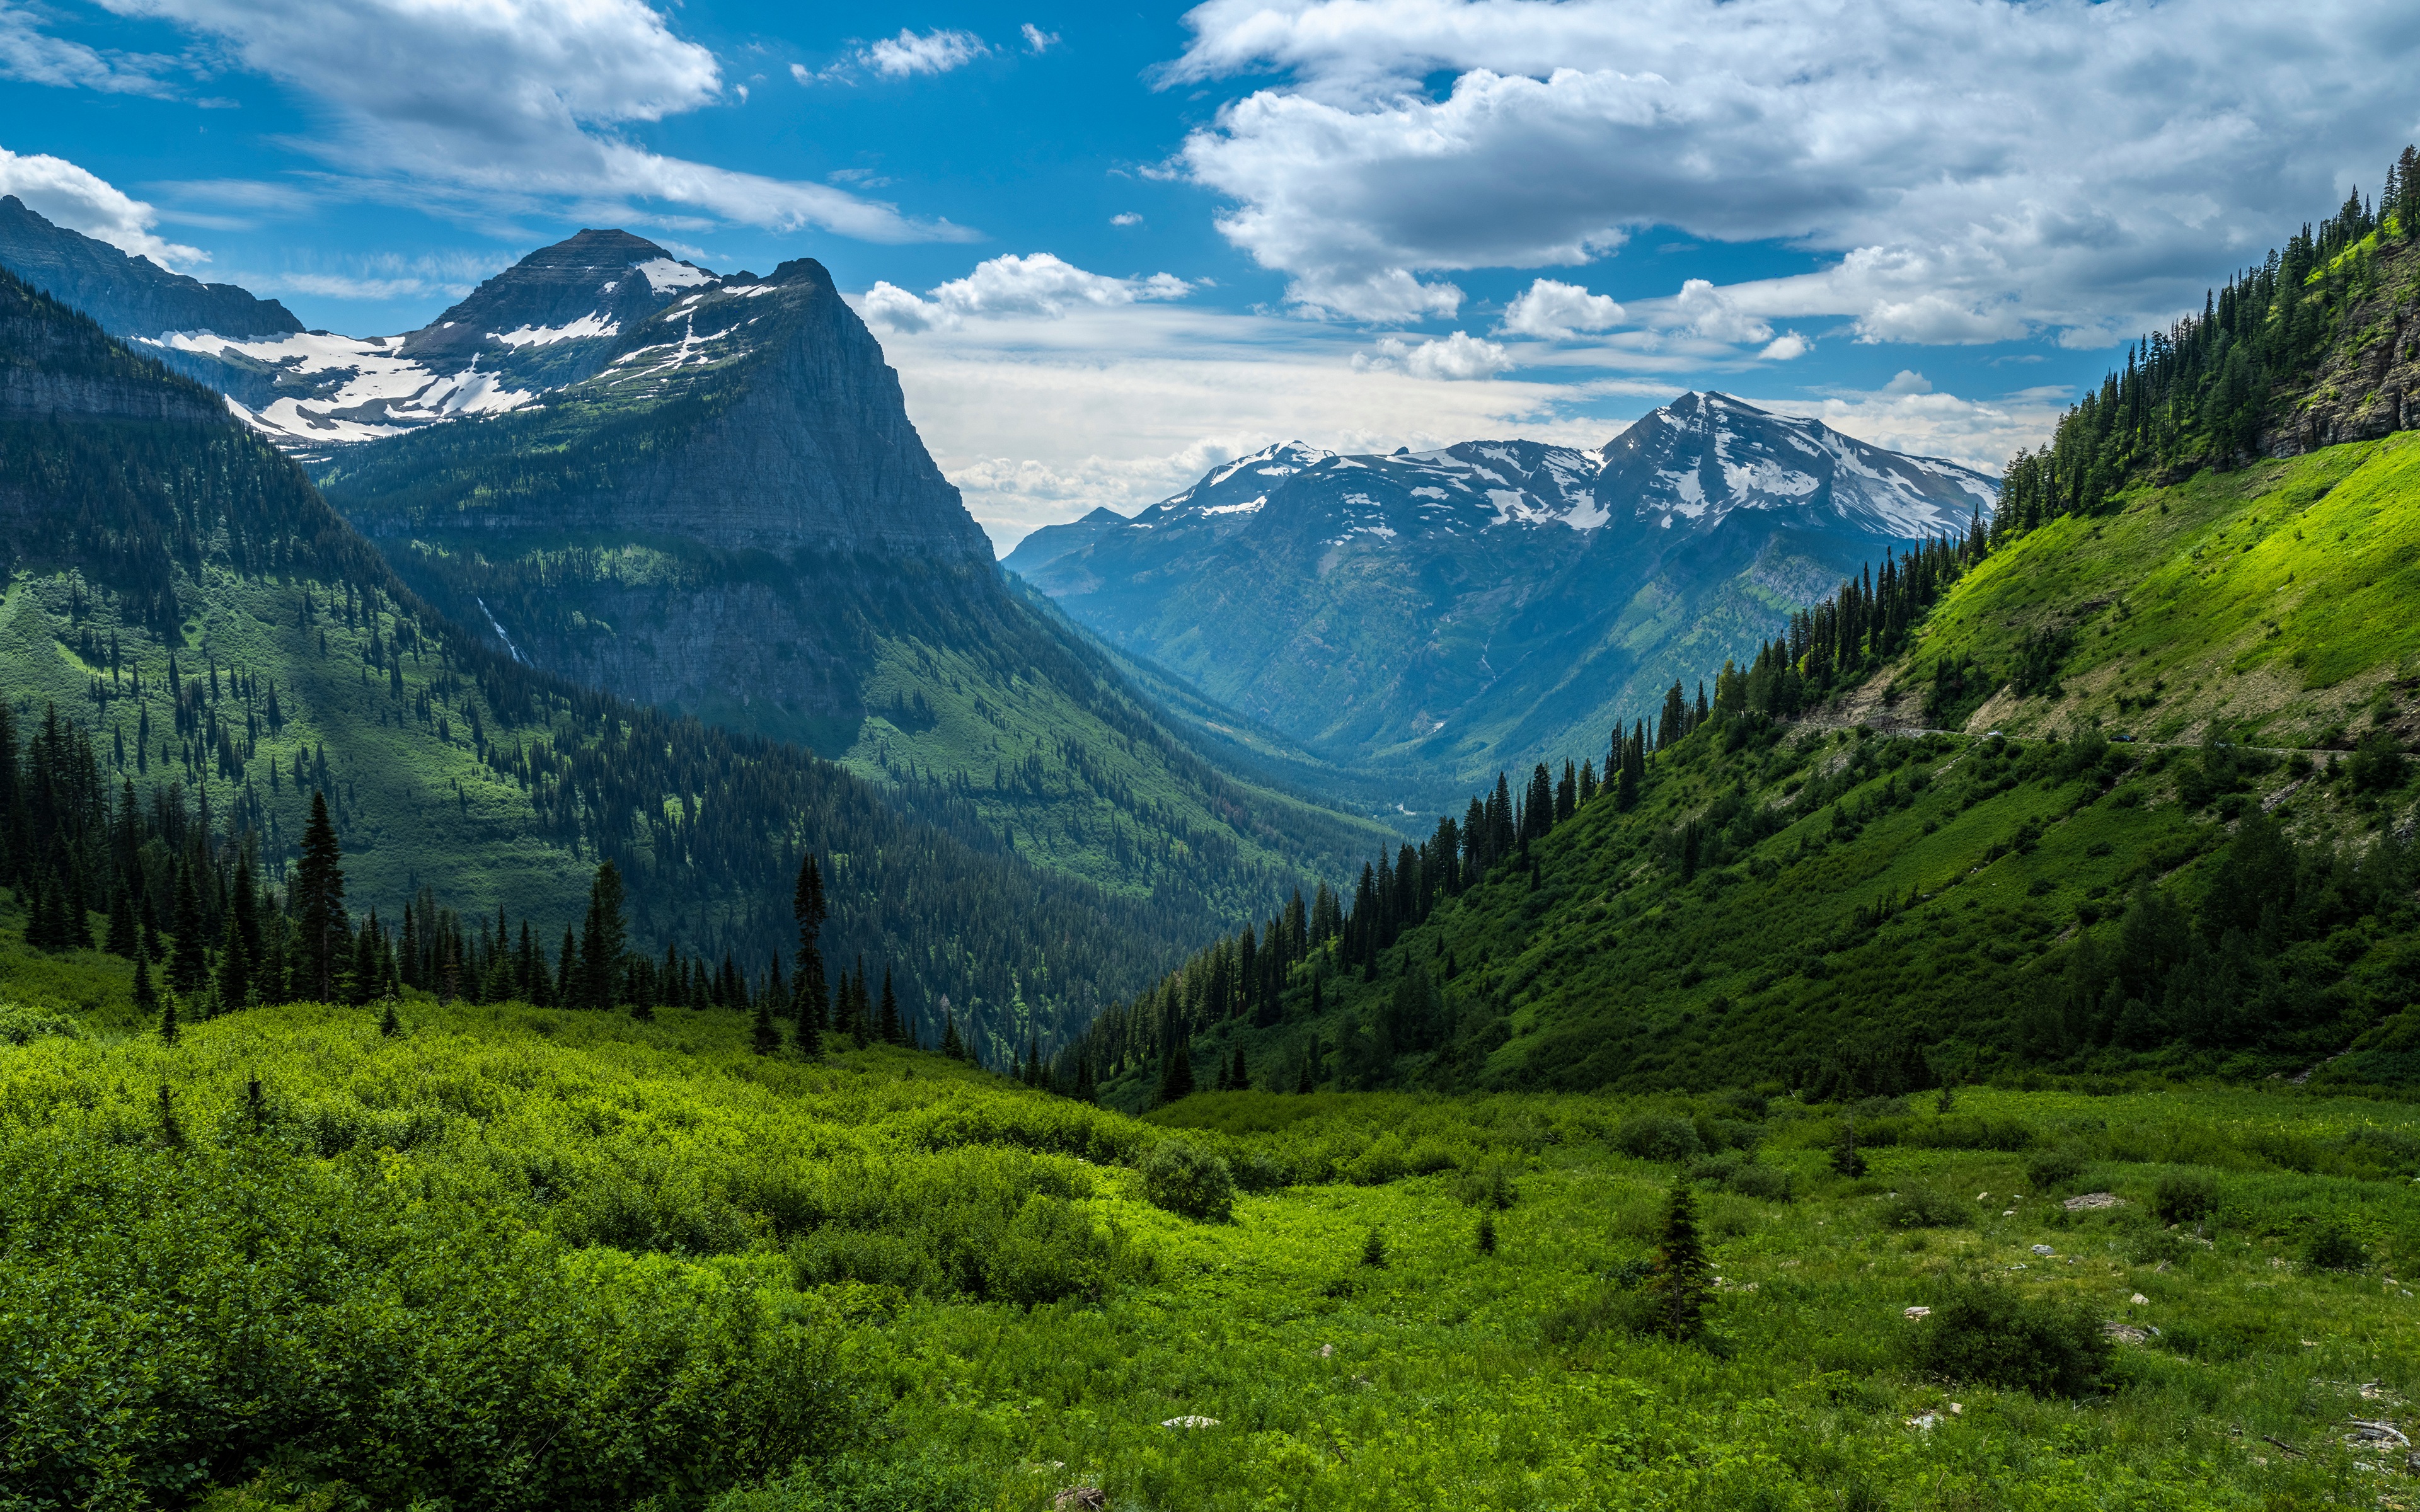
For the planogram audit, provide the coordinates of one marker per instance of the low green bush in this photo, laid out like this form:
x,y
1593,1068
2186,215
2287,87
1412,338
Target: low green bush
x,y
1658,1138
1989,1333
2054,1170
2330,1244
1927,1207
1183,1179
1488,1186
2184,1196
21,1025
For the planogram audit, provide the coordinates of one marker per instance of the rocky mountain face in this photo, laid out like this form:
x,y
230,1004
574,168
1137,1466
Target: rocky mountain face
x,y
1447,612
128,296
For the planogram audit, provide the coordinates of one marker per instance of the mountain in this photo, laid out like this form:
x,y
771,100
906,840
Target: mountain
x,y
2123,789
186,619
702,492
1445,611
128,296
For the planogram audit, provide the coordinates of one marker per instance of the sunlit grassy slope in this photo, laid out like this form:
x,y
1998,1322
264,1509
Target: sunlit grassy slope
x,y
414,801
529,1257
2274,601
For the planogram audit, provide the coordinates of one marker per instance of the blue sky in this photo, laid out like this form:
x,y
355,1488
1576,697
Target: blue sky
x,y
1108,247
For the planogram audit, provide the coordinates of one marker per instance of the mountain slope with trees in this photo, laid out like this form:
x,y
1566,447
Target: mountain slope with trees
x,y
2121,785
195,646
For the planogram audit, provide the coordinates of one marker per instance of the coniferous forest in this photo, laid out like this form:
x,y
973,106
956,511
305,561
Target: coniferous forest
x,y
1963,1052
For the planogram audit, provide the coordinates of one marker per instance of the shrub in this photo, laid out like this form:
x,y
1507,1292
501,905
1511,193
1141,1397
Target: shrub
x,y
2330,1246
1049,1252
1925,1207
1770,1184
2184,1196
21,1025
1989,1334
1373,1250
1382,1162
1488,1186
1188,1181
2051,1169
1658,1138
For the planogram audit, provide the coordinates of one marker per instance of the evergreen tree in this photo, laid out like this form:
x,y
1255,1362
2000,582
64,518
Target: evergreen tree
x,y
811,991
891,1029
764,1037
1487,1233
235,970
1683,1276
1374,1249
122,939
1176,1071
147,996
1242,1080
189,968
1845,1159
389,1024
168,1016
952,1045
76,919
317,901
601,942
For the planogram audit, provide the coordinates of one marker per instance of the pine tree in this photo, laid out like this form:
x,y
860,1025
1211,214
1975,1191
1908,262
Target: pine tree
x,y
168,1016
1374,1249
1310,1067
1845,1159
952,1045
601,941
1683,1276
389,1024
764,1037
235,970
892,1031
76,919
189,967
146,997
317,901
1242,1080
1487,1233
122,939
171,1132
812,990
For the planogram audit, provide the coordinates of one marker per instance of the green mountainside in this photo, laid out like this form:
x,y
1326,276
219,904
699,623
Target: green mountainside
x,y
215,637
2121,789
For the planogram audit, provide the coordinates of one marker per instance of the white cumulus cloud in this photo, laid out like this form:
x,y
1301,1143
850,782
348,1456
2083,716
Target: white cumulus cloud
x,y
937,52
1557,311
1785,348
65,194
508,105
1041,285
1974,170
1713,315
1460,357
1038,42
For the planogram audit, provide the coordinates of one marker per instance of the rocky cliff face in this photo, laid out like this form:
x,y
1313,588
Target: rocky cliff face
x,y
128,296
56,365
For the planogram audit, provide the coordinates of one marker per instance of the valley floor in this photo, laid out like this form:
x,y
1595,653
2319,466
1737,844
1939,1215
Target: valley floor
x,y
966,1281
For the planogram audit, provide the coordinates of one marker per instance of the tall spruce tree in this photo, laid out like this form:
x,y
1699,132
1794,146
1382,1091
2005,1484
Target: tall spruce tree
x,y
189,968
810,990
892,1031
1682,1277
603,934
317,901
122,939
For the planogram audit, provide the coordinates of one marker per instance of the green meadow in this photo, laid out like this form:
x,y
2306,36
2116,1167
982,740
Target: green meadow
x,y
513,1257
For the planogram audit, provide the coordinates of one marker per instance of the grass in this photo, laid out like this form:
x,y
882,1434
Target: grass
x,y
2274,601
663,1155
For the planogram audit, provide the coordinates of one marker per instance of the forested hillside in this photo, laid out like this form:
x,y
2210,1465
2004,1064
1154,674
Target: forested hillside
x,y
194,645
2118,785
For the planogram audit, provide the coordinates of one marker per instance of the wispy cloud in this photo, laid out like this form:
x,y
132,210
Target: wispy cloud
x,y
68,195
515,105
935,51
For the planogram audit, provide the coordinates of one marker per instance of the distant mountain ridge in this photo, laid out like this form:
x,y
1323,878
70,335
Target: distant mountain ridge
x,y
1443,610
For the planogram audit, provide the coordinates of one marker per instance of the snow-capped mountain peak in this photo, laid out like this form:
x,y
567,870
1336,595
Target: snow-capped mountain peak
x,y
1695,461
